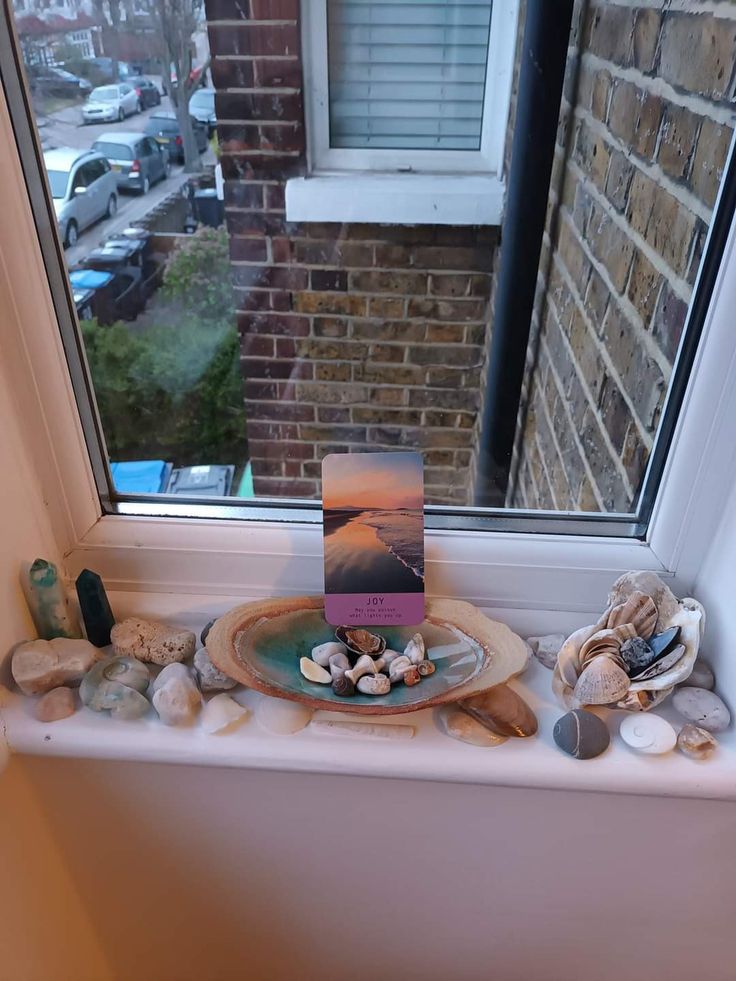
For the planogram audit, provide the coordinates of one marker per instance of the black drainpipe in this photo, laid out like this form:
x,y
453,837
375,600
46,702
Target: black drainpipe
x,y
541,74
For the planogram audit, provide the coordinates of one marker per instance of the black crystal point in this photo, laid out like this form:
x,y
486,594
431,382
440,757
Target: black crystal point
x,y
95,607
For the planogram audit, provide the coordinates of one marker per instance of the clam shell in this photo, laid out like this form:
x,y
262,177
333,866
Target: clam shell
x,y
606,641
502,711
568,665
601,682
361,641
639,610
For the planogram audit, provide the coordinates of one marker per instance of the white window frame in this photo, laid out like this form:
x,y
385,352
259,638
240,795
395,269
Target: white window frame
x,y
225,557
403,186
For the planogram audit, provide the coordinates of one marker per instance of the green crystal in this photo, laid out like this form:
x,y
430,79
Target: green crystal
x,y
48,603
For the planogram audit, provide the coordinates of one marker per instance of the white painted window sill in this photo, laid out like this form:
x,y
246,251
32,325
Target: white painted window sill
x,y
399,199
531,763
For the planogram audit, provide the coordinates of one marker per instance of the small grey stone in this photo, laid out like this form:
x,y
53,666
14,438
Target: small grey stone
x,y
701,676
581,734
546,648
210,678
637,655
702,707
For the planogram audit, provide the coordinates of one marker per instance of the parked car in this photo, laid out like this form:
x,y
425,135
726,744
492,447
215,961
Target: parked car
x,y
164,128
202,107
148,94
110,102
83,187
136,160
51,80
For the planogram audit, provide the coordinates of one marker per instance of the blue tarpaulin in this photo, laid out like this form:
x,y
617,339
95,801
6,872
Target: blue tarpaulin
x,y
141,476
89,279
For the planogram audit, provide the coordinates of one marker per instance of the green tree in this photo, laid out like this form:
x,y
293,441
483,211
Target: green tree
x,y
198,276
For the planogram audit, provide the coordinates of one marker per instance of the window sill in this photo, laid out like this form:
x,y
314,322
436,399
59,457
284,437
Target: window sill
x,y
397,199
532,763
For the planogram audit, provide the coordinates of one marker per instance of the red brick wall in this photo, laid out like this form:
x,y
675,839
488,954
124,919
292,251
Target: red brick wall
x,y
354,337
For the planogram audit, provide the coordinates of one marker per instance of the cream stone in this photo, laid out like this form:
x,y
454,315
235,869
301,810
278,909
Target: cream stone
x,y
150,641
40,665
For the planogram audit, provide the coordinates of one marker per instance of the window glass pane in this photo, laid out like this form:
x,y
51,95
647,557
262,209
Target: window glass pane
x,y
230,349
407,75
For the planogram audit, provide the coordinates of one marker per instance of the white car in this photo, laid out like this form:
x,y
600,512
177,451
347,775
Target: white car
x,y
83,187
109,103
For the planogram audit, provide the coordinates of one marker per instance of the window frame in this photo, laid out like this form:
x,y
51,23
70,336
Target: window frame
x,y
158,549
487,160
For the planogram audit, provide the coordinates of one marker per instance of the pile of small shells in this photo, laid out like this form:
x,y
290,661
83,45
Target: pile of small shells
x,y
644,644
359,660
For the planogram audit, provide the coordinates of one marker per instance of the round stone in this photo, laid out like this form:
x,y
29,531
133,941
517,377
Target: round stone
x,y
59,703
648,733
701,676
702,707
695,742
581,734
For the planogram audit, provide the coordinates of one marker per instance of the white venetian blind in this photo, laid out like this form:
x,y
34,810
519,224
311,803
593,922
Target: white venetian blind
x,y
407,73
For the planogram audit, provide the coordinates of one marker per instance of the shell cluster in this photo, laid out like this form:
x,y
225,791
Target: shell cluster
x,y
644,644
360,661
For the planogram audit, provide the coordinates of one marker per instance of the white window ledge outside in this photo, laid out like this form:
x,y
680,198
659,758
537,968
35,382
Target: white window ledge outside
x,y
400,199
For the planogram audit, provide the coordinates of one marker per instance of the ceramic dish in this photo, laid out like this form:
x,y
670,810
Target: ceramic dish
x,y
260,644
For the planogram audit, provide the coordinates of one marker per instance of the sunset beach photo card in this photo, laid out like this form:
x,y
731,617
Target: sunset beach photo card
x,y
373,506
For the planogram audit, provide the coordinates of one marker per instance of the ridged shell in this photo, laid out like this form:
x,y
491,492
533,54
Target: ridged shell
x,y
601,682
638,610
649,583
605,642
568,662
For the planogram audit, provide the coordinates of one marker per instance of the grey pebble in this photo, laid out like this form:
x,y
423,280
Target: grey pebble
x,y
205,630
210,677
700,677
581,734
702,707
546,648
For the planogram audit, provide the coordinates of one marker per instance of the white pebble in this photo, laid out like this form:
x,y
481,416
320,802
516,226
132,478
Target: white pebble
x,y
313,672
323,652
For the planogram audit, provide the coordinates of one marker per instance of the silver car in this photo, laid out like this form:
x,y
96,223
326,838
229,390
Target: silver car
x,y
202,107
83,187
109,103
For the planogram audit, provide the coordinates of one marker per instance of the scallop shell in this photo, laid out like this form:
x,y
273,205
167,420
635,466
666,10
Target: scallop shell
x,y
649,583
639,610
606,641
601,682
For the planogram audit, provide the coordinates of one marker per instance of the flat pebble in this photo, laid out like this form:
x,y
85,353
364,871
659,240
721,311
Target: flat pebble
x,y
459,725
695,742
59,703
209,677
281,717
702,707
546,648
648,733
581,734
701,676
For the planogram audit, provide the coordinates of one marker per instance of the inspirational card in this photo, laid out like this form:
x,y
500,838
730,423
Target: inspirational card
x,y
373,507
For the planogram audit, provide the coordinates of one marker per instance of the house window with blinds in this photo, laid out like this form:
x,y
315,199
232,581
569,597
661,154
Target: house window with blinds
x,y
407,75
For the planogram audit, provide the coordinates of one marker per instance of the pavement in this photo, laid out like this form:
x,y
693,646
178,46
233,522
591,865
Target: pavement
x,y
64,128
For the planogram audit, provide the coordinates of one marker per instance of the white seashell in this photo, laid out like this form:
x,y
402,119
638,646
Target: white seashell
x,y
367,730
222,712
389,657
281,717
339,664
398,668
414,650
568,664
601,682
649,583
607,641
313,672
323,652
374,684
639,610
459,725
364,665
648,733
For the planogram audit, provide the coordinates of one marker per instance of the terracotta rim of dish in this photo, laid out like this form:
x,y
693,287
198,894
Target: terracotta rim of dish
x,y
223,639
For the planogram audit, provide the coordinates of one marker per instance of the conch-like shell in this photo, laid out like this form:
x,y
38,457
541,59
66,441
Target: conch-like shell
x,y
414,650
640,604
601,682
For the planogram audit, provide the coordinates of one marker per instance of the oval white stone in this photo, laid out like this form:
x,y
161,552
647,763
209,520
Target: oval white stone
x,y
648,733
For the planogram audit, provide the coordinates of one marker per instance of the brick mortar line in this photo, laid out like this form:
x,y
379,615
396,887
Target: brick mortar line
x,y
258,122
723,9
652,170
286,154
258,236
254,57
625,305
680,287
700,105
550,425
571,424
646,438
543,460
533,479
250,22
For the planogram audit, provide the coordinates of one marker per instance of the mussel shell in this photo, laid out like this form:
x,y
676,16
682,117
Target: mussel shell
x,y
360,641
502,711
661,664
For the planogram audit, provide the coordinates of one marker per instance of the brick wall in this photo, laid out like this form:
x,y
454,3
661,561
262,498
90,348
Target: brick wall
x,y
354,337
644,132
